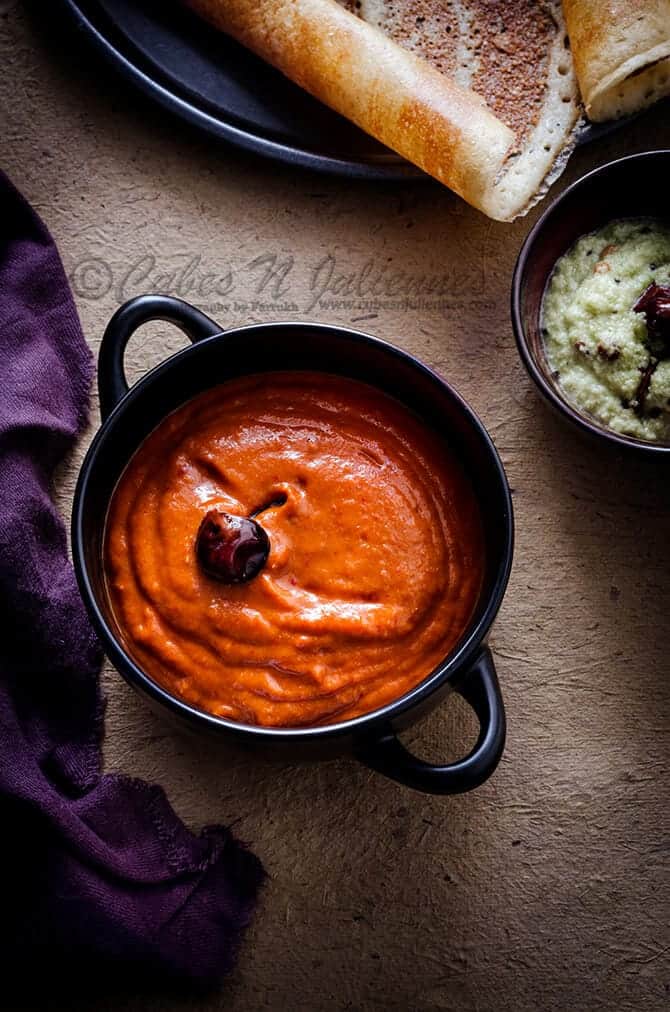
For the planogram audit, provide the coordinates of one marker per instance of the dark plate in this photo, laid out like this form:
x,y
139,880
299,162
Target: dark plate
x,y
217,85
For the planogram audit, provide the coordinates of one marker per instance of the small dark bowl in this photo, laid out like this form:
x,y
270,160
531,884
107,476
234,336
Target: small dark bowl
x,y
130,415
636,186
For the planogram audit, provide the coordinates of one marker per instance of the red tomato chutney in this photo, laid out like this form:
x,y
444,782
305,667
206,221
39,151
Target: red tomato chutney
x,y
375,563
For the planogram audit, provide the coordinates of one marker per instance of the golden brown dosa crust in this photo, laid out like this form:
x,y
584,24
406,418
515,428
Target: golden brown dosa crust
x,y
501,50
393,95
621,50
515,57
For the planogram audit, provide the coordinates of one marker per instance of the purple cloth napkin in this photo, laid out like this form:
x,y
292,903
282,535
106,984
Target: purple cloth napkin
x,y
96,871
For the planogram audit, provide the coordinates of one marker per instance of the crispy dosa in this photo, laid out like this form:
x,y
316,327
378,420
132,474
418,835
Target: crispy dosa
x,y
621,50
514,55
498,149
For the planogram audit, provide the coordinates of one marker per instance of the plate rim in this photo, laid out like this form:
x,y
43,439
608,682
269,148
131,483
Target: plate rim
x,y
226,131
218,126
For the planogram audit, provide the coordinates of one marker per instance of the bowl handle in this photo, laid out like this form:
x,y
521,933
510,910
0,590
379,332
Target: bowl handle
x,y
481,690
112,382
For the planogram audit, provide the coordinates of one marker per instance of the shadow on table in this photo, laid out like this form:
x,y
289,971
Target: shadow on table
x,y
608,534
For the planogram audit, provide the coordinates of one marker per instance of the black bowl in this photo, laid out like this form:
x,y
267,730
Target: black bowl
x,y
214,356
631,187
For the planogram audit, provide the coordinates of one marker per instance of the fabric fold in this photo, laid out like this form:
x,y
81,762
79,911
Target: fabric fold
x,y
97,871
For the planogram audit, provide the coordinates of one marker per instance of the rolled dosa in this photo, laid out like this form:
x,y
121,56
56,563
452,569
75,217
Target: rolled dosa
x,y
514,56
621,50
393,94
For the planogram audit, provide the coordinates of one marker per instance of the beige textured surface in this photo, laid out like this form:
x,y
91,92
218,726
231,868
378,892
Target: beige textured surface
x,y
548,888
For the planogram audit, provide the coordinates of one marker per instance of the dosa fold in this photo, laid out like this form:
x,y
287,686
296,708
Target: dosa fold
x,y
407,102
513,55
621,50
